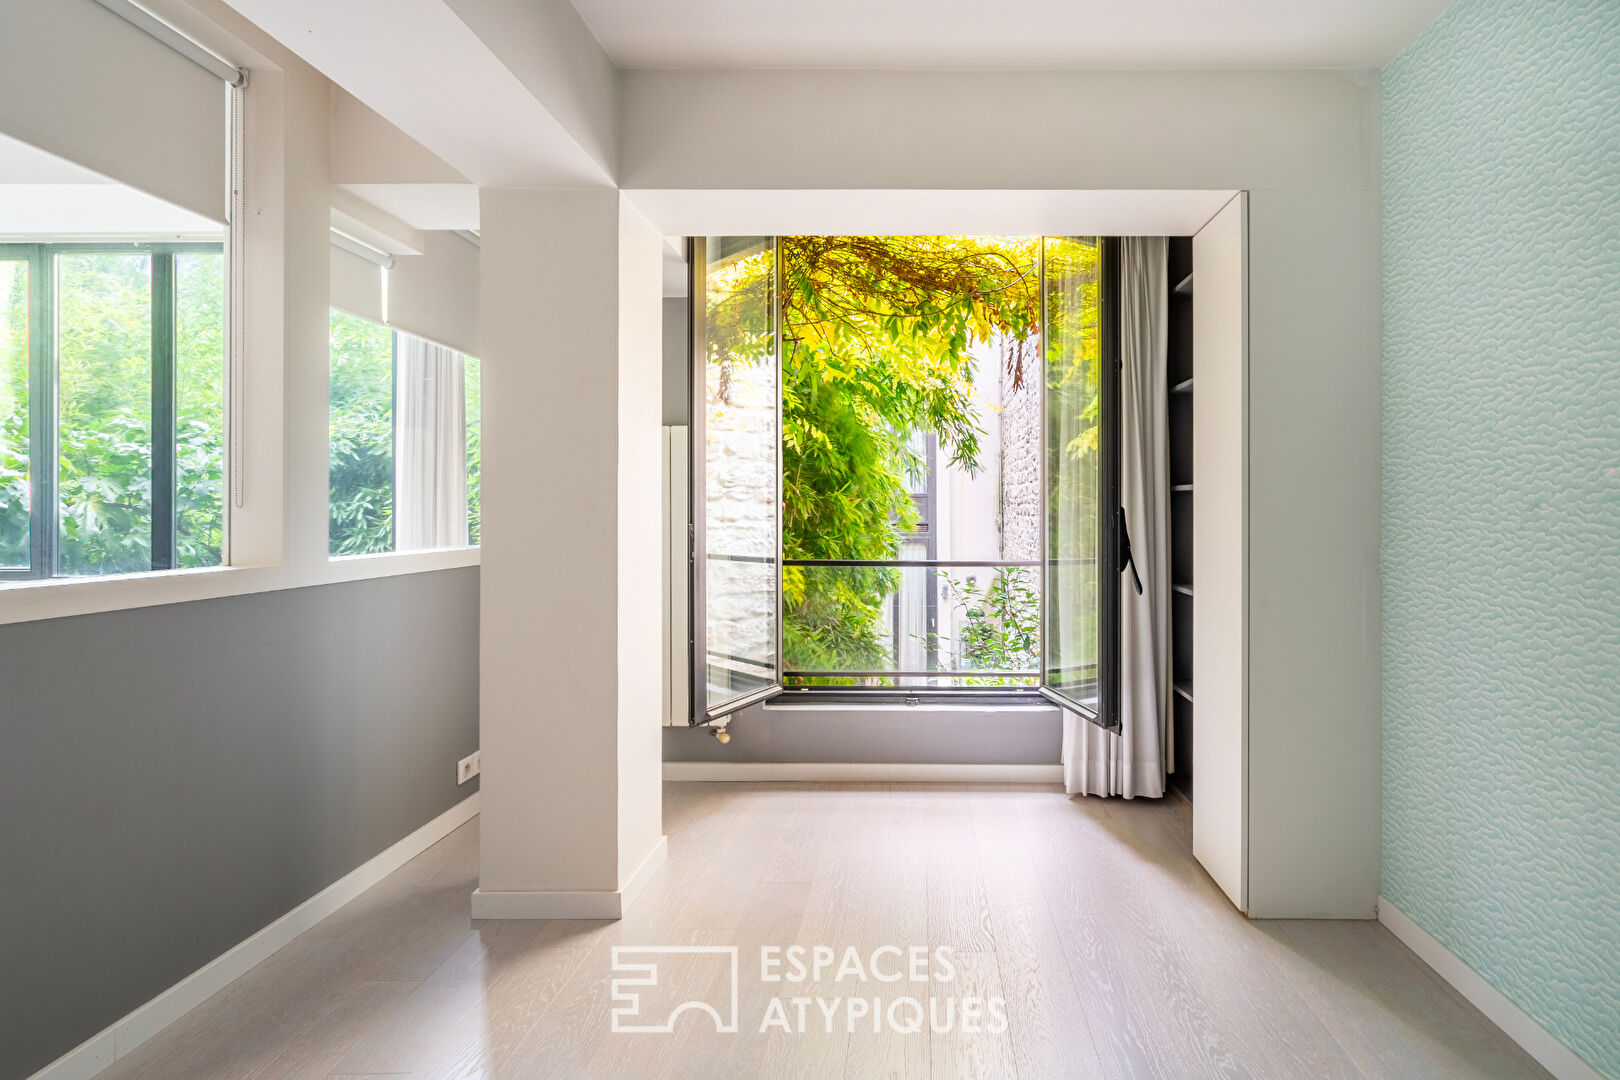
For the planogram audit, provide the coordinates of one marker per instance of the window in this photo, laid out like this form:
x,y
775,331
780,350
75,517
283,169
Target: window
x,y
404,450
361,507
899,447
113,290
112,413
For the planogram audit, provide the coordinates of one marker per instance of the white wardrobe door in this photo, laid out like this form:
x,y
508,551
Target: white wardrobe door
x,y
1220,548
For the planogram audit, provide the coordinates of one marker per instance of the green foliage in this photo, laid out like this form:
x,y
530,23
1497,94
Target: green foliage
x,y
14,491
1001,628
876,339
361,450
361,509
876,333
104,403
199,422
103,360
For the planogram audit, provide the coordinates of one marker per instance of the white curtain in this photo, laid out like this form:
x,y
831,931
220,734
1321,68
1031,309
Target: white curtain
x,y
1133,761
430,447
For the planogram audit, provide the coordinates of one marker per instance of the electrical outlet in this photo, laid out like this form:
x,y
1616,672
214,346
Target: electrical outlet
x,y
469,766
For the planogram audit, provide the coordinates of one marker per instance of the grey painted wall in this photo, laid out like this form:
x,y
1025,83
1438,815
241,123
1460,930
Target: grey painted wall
x,y
173,779
924,734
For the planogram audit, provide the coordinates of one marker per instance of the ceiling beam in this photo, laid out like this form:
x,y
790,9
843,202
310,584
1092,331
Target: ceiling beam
x,y
420,66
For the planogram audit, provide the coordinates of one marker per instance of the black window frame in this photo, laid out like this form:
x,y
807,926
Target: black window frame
x,y
44,517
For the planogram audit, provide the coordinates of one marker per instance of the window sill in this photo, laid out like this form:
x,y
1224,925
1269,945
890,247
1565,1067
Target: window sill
x,y
57,598
355,567
1023,704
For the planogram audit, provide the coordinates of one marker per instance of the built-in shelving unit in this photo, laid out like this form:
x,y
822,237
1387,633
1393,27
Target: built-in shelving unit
x,y
1179,359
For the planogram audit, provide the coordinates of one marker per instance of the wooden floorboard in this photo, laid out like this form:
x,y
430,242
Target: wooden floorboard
x,y
1108,950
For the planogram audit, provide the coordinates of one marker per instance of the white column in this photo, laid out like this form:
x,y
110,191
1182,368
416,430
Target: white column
x,y
570,596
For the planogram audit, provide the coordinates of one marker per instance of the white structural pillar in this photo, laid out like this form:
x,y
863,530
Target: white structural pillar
x,y
571,595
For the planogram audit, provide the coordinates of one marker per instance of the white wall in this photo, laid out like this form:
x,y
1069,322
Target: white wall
x,y
570,599
1304,145
640,539
993,130
548,616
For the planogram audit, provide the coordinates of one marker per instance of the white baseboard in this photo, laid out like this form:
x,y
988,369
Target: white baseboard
x,y
655,860
1518,1025
558,904
108,1045
861,772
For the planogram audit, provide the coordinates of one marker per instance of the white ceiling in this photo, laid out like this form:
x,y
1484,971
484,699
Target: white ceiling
x,y
1006,33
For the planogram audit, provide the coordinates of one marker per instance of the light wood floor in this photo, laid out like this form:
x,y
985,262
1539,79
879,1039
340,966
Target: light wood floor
x,y
1115,954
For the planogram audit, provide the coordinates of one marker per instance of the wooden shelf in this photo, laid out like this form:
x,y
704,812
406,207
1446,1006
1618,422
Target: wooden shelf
x,y
1184,286
1185,590
1184,688
1183,387
1181,487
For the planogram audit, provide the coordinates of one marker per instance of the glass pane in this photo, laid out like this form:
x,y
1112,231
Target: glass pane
x,y
929,626
361,462
15,492
104,406
741,437
475,446
199,422
1073,473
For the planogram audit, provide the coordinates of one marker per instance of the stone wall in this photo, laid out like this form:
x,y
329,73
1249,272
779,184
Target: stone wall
x,y
741,434
1021,460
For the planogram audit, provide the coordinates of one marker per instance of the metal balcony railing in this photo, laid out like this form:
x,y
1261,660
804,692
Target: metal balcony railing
x,y
937,623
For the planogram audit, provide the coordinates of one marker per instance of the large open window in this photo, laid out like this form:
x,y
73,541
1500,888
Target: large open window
x,y
900,453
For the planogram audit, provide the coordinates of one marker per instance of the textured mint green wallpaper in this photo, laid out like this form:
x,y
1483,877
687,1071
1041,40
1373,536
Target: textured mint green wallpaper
x,y
1501,502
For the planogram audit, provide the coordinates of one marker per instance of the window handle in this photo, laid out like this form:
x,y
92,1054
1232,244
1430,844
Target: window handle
x,y
1122,545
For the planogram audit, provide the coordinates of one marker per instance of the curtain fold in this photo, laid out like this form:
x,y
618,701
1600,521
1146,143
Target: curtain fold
x,y
430,447
1134,760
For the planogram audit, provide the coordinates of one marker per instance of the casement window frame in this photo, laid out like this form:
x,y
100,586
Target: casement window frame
x,y
1047,688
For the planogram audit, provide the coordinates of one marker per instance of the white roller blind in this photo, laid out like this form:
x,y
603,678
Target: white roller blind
x,y
434,295
79,81
357,285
